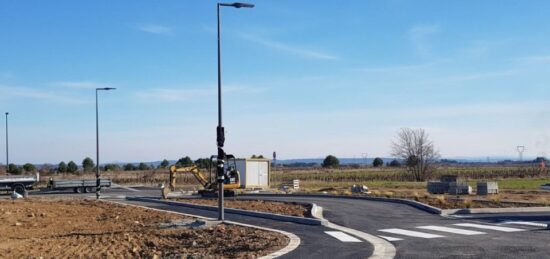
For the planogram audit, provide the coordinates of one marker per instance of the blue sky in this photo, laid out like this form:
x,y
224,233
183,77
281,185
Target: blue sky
x,y
302,79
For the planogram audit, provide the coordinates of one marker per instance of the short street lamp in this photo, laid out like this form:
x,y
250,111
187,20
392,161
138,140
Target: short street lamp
x,y
7,146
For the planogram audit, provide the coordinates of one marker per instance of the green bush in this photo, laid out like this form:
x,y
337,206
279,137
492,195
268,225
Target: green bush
x,y
331,162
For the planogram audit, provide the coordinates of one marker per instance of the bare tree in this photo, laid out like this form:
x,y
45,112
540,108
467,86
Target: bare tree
x,y
414,146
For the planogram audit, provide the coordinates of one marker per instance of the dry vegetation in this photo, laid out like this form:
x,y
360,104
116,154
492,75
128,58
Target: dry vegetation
x,y
399,175
40,228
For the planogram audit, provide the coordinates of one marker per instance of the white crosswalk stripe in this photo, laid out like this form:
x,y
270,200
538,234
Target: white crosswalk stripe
x,y
497,228
453,230
410,233
342,236
391,238
525,223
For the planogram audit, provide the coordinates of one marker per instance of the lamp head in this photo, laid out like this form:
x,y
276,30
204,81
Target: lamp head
x,y
238,5
106,88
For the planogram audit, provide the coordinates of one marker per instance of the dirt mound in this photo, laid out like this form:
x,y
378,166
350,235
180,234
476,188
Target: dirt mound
x,y
283,208
77,228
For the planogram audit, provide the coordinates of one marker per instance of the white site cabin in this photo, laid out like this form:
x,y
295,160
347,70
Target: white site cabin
x,y
254,172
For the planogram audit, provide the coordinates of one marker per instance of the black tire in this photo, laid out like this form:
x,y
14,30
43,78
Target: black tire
x,y
19,188
229,193
79,189
88,189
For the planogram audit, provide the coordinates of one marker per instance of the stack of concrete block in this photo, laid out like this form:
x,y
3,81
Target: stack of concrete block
x,y
485,188
438,187
359,189
449,178
458,188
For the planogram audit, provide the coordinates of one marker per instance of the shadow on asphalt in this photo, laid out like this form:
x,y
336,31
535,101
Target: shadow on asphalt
x,y
499,218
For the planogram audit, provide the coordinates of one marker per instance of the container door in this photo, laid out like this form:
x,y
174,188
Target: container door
x,y
263,174
252,174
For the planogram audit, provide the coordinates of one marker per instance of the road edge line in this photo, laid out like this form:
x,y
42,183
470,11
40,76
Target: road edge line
x,y
381,247
293,243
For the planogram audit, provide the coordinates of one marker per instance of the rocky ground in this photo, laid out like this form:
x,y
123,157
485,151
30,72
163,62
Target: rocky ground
x,y
283,208
45,228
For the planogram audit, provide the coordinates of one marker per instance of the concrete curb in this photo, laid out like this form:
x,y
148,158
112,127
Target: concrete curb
x,y
418,205
299,220
293,243
382,248
493,210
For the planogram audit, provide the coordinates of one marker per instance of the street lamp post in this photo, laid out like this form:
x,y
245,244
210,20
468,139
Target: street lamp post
x,y
220,136
7,146
98,181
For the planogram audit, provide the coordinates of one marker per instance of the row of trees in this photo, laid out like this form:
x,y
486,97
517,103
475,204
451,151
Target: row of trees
x,y
26,168
88,165
333,162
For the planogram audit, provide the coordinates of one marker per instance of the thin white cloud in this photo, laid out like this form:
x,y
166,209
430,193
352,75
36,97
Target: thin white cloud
x,y
472,77
298,51
418,34
536,59
172,95
80,84
12,92
399,68
156,29
183,95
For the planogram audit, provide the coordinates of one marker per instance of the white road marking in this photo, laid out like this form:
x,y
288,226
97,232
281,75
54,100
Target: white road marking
x,y
526,223
114,185
459,216
391,238
453,230
410,233
342,236
503,229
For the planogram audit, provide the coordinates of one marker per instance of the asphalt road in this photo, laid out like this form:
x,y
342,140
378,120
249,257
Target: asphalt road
x,y
414,233
377,218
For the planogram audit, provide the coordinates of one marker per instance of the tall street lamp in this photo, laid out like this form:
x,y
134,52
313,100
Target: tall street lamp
x,y
220,136
98,181
7,146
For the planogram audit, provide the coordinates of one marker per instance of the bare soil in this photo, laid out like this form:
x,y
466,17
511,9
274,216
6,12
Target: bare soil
x,y
45,228
505,199
283,208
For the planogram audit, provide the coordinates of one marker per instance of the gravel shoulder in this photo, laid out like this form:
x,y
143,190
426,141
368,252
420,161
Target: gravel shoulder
x,y
64,228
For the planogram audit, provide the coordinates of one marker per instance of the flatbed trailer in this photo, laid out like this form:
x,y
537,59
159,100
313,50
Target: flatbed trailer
x,y
78,185
18,183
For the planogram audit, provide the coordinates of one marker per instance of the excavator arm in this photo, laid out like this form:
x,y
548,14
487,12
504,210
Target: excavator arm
x,y
194,170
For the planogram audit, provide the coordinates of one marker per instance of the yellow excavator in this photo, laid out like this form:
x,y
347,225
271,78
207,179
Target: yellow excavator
x,y
231,181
